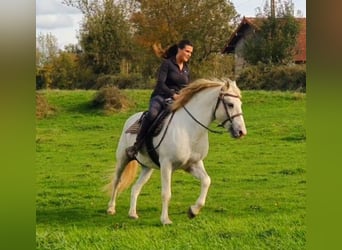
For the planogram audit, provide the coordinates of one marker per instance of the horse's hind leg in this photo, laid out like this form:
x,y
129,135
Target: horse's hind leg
x,y
120,166
166,174
198,171
143,178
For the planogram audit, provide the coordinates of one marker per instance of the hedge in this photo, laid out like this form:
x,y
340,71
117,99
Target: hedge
x,y
265,77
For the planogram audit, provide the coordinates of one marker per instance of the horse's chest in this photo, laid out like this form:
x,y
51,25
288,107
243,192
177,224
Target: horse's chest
x,y
185,146
200,149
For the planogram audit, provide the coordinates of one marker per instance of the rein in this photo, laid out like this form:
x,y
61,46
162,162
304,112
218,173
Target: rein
x,y
167,126
194,118
229,117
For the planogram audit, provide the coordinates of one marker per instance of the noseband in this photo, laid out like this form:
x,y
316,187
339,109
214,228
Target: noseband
x,y
229,117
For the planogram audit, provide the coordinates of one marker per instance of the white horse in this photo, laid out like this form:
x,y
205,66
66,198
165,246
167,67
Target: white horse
x,y
183,145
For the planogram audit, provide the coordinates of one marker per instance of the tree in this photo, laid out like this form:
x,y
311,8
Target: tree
x,y
105,35
274,43
206,23
165,22
122,32
46,51
65,71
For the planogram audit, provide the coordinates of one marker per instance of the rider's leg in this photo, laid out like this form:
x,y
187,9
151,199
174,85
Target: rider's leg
x,y
156,105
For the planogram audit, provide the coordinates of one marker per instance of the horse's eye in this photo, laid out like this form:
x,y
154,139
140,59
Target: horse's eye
x,y
230,105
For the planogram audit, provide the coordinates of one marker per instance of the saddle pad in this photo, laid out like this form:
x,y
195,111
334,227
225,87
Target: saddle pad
x,y
134,128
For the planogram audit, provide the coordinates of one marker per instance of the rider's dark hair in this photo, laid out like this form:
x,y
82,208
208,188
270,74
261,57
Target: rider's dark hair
x,y
172,51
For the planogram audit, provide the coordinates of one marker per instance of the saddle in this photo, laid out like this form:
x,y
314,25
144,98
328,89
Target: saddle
x,y
155,128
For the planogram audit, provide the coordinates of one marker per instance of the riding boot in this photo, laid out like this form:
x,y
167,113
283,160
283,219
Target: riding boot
x,y
133,150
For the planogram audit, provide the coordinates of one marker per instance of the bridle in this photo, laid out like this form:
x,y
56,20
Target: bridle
x,y
229,117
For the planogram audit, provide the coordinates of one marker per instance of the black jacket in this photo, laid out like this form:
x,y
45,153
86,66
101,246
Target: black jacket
x,y
170,78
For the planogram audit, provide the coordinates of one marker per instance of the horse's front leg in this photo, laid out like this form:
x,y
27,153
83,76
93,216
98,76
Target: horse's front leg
x,y
166,173
199,172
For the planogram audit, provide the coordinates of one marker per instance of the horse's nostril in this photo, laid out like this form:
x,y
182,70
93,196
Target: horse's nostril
x,y
241,133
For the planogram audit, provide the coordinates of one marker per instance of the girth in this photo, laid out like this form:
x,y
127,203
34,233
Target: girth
x,y
156,128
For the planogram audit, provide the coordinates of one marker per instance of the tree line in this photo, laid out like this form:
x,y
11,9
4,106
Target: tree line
x,y
116,41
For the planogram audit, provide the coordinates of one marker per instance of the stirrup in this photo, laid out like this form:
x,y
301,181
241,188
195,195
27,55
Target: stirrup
x,y
131,152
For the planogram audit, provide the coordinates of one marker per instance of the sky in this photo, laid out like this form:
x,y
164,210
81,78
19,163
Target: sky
x,y
63,21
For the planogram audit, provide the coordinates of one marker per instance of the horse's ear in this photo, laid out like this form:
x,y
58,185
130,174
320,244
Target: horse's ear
x,y
227,84
231,83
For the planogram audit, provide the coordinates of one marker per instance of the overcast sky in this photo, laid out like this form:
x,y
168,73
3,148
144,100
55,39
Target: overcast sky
x,y
63,21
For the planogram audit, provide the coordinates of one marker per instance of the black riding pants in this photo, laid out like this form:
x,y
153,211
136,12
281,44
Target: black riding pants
x,y
157,104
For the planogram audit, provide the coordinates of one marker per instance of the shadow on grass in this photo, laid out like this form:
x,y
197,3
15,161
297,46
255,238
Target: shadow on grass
x,y
84,108
294,138
70,216
82,217
88,108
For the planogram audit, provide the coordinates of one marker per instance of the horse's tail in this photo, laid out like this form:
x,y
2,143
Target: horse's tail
x,y
128,175
126,178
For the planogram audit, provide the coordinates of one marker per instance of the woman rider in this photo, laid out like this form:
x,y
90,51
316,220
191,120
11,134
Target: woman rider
x,y
173,75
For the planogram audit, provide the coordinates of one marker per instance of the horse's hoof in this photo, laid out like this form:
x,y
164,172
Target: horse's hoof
x,y
133,216
191,215
110,211
166,222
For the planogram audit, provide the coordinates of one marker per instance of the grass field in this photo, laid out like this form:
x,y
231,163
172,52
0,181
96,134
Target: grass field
x,y
257,199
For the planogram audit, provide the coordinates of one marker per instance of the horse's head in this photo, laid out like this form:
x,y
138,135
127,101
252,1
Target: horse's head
x,y
229,111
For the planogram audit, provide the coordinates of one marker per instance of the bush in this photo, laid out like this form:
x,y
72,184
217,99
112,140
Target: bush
x,y
43,108
111,99
215,66
250,78
122,81
284,77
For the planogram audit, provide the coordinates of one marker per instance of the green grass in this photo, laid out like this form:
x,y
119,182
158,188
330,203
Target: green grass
x,y
257,199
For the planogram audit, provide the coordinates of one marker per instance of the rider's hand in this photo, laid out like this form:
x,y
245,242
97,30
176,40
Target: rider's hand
x,y
175,96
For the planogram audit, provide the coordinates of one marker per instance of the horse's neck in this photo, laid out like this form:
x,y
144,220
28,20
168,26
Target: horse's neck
x,y
203,104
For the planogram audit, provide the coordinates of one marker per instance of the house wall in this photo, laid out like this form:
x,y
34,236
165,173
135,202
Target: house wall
x,y
240,63
239,60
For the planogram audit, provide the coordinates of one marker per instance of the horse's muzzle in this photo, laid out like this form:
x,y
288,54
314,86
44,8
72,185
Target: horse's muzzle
x,y
237,133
